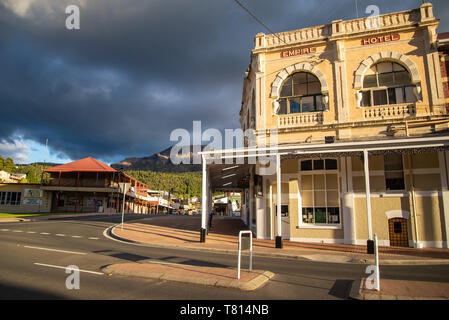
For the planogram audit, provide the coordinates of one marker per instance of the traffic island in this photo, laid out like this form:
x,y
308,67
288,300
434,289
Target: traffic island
x,y
206,276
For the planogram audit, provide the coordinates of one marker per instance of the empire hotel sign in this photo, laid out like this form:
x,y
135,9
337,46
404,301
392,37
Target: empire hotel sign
x,y
380,39
365,42
297,52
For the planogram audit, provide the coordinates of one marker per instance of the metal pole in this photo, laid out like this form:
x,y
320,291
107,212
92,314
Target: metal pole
x,y
376,260
412,194
123,204
251,252
240,252
367,194
278,202
204,202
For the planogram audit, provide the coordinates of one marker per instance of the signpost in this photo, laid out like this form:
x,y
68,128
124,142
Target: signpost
x,y
124,187
245,244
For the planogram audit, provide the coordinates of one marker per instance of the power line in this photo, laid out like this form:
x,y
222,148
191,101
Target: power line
x,y
257,19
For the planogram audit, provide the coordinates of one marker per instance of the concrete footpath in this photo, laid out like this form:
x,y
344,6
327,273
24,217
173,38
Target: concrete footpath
x,y
181,232
400,290
207,276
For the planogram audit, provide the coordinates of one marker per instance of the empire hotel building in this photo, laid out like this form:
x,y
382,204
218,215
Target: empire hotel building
x,y
356,116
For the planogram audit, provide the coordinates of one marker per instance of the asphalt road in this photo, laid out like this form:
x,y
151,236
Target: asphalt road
x,y
34,256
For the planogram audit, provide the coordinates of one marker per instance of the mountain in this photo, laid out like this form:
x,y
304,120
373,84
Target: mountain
x,y
160,162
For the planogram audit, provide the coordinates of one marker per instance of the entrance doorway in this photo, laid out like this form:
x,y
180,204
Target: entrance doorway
x,y
398,230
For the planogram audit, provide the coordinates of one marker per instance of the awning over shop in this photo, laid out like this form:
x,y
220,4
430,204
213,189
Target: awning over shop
x,y
238,163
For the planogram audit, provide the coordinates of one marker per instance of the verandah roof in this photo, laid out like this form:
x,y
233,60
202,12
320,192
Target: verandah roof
x,y
220,174
88,164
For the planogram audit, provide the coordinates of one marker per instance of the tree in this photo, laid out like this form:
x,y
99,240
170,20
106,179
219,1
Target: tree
x,y
23,180
9,165
2,161
32,177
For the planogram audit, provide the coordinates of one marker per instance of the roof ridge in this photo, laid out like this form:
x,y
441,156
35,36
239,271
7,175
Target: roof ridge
x,y
85,164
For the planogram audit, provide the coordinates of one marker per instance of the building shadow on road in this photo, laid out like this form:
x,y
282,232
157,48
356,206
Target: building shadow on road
x,y
9,292
194,262
341,288
172,259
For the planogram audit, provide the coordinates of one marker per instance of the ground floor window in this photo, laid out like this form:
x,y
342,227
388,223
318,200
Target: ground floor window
x,y
330,215
10,198
394,173
320,194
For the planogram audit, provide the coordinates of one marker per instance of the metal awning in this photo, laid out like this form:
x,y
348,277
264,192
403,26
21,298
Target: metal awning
x,y
229,177
344,148
233,174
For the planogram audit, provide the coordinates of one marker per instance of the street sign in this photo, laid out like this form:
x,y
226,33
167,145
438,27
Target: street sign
x,y
245,244
124,187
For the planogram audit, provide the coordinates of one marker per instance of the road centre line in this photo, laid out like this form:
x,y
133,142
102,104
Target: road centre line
x,y
46,233
56,250
65,268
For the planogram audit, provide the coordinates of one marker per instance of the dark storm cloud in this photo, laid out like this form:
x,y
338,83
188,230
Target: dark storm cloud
x,y
137,69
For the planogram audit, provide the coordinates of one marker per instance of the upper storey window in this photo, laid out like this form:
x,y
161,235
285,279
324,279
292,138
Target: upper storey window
x,y
387,83
301,92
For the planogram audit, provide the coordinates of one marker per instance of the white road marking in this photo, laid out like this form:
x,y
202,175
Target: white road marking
x,y
77,237
56,250
31,231
60,235
65,268
93,238
5,229
44,233
17,231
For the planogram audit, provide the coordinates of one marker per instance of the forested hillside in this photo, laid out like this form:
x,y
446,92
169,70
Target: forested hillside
x,y
186,184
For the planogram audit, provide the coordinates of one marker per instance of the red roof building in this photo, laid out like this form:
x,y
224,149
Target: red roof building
x,y
88,164
89,185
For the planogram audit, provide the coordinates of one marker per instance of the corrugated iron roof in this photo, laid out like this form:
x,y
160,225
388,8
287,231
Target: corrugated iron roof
x,y
88,164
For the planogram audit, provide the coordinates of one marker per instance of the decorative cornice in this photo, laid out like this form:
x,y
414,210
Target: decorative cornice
x,y
422,16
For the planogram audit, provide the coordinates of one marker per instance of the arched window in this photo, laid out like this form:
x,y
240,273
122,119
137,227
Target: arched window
x,y
301,92
387,83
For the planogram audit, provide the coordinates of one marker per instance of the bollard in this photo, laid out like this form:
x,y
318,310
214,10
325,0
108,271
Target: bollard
x,y
245,246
